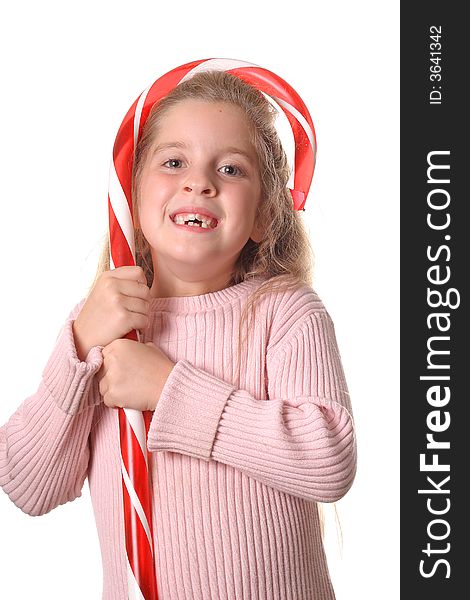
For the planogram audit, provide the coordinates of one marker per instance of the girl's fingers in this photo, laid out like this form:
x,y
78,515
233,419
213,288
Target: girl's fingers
x,y
136,305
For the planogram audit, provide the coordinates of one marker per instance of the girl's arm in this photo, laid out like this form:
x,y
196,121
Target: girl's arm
x,y
300,440
44,445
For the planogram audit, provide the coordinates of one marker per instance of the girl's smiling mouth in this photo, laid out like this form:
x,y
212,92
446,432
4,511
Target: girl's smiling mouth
x,y
195,222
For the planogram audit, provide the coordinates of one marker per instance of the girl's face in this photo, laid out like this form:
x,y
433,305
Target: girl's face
x,y
201,157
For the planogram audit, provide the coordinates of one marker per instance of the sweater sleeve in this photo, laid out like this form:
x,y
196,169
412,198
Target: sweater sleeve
x,y
300,439
44,445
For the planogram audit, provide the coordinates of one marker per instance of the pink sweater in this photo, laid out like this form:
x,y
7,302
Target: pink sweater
x,y
237,473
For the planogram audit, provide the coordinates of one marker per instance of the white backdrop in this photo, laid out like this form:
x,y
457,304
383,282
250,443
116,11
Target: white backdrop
x,y
69,74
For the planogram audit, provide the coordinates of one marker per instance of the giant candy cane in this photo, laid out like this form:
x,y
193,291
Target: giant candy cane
x,y
134,425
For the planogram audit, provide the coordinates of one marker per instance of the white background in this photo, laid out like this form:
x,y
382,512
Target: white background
x,y
69,74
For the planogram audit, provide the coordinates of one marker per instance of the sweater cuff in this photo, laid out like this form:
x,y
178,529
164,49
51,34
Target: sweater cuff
x,y
188,412
70,380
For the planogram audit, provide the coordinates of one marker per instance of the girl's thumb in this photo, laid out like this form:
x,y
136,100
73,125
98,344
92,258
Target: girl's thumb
x,y
149,344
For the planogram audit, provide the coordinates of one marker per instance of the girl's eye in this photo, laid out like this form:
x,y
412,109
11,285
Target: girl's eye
x,y
231,167
172,160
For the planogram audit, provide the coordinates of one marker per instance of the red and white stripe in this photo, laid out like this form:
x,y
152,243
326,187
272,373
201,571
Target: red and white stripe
x,y
133,425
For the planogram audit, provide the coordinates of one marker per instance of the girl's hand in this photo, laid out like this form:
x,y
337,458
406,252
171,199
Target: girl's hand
x,y
117,304
133,374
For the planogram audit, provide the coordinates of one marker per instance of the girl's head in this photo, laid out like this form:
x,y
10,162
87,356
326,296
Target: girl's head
x,y
200,159
259,234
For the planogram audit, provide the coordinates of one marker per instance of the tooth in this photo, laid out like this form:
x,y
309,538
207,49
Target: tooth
x,y
203,218
206,222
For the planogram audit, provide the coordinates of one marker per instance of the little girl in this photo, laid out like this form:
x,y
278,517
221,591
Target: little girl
x,y
252,423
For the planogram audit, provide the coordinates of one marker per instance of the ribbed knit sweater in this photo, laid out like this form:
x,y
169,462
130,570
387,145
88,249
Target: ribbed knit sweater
x,y
237,470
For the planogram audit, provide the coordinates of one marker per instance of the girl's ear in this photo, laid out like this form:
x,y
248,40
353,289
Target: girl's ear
x,y
256,235
258,229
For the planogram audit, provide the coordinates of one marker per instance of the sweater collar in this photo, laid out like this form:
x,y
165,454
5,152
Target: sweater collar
x,y
186,304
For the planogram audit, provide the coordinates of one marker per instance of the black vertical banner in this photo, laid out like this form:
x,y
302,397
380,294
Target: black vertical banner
x,y
434,258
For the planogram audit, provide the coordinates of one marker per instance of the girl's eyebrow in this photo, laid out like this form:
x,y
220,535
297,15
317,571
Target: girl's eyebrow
x,y
228,149
166,145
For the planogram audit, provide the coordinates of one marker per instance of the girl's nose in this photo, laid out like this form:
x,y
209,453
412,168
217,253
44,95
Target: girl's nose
x,y
198,189
201,184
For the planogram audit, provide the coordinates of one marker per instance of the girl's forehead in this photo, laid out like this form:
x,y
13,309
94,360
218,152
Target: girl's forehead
x,y
195,109
193,119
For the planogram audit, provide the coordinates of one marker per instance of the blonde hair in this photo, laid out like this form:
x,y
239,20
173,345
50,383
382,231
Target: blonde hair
x,y
284,257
